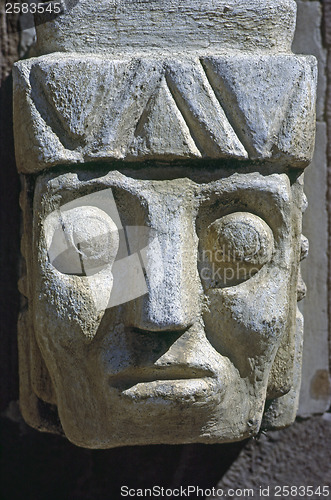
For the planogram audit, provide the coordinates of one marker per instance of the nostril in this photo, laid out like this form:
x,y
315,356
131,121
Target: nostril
x,y
158,329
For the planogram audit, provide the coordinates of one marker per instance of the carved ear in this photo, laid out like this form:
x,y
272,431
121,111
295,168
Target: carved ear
x,y
285,376
41,383
37,400
281,412
281,374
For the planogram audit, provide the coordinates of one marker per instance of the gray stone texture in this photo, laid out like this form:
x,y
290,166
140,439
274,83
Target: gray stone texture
x,y
315,390
327,38
174,363
36,466
297,456
161,108
165,25
308,40
159,358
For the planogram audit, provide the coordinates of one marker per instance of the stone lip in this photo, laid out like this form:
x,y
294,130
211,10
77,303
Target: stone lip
x,y
151,374
140,26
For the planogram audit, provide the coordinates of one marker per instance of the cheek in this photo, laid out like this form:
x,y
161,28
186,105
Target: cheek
x,y
245,323
70,308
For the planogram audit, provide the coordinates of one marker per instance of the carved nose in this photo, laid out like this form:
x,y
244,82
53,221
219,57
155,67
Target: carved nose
x,y
167,305
172,301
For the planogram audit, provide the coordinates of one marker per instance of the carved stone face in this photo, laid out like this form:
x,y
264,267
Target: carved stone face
x,y
160,307
162,298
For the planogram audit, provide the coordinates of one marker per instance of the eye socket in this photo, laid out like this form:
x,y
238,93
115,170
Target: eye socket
x,y
81,241
236,247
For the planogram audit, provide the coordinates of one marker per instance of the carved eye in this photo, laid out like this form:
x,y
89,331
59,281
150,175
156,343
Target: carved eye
x,y
236,247
81,241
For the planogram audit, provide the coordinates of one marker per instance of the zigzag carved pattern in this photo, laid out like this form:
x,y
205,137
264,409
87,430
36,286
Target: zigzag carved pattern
x,y
181,108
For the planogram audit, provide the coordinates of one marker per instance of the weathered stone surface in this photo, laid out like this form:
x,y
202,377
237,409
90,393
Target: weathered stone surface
x,y
308,40
327,32
40,466
327,21
298,456
133,26
162,299
75,109
314,270
282,410
190,360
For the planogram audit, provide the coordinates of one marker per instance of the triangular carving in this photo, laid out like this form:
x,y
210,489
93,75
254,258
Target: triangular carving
x,y
254,93
161,131
203,113
214,107
72,98
129,99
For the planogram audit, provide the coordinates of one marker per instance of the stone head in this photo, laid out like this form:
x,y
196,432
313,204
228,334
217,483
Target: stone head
x,y
162,200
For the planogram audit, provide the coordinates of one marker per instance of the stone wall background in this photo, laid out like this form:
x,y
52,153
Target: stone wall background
x,y
327,41
315,388
39,466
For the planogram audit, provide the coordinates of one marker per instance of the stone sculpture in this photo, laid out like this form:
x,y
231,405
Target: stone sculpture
x,y
163,146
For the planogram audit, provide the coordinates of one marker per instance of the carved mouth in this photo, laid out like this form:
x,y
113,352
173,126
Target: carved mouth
x,y
154,374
